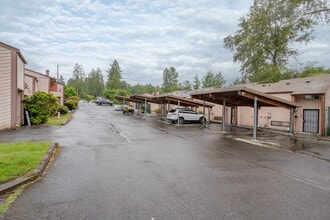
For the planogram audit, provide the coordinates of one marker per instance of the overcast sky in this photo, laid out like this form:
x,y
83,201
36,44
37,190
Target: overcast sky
x,y
144,36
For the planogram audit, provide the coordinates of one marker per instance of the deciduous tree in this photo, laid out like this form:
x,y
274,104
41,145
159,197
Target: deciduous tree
x,y
70,92
262,43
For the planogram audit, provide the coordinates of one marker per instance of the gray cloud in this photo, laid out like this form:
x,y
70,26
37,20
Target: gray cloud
x,y
144,36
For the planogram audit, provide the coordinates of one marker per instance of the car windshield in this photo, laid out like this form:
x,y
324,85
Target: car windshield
x,y
189,111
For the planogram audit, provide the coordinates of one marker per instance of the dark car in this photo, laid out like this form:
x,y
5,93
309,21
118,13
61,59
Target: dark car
x,y
103,102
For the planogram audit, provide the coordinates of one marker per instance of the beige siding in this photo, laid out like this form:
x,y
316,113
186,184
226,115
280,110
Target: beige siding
x,y
153,107
5,88
245,116
286,96
327,105
30,82
43,81
216,111
265,116
327,98
20,113
269,114
20,73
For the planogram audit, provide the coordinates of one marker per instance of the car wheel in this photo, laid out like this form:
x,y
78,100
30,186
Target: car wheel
x,y
202,120
181,120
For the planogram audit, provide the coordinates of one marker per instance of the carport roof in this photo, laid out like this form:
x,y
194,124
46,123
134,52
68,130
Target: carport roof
x,y
242,96
165,99
172,99
128,99
145,97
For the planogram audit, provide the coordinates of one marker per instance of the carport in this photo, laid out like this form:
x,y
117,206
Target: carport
x,y
243,96
144,98
169,99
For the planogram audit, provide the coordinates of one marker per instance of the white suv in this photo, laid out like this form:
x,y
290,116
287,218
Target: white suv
x,y
185,114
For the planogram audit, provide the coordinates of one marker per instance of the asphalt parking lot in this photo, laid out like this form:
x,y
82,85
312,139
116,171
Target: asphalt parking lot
x,y
115,166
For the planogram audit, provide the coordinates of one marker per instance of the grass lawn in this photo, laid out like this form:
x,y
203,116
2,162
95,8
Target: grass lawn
x,y
17,159
54,121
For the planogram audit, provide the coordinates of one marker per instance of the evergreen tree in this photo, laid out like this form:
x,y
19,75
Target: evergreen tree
x,y
77,80
197,83
61,80
170,80
213,80
114,76
94,83
185,85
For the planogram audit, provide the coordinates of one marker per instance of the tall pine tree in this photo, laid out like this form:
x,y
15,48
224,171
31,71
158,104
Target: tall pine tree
x,y
170,80
114,76
77,80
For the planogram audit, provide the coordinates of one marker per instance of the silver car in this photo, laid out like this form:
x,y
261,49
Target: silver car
x,y
118,107
185,115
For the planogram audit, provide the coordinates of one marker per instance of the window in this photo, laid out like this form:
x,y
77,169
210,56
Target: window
x,y
311,97
280,123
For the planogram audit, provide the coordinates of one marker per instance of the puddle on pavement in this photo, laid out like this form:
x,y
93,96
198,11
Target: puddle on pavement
x,y
296,145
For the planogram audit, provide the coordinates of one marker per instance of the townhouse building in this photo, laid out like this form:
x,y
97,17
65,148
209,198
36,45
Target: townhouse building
x,y
17,82
36,81
312,94
12,66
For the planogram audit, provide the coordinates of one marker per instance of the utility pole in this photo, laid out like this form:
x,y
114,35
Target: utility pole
x,y
57,73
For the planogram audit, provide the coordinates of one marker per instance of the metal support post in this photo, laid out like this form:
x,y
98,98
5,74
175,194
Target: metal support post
x,y
224,116
178,112
255,118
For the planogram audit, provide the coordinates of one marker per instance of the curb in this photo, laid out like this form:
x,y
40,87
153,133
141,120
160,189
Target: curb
x,y
69,119
4,188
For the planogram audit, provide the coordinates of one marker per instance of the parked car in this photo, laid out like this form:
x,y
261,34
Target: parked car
x,y
185,115
103,102
128,109
118,107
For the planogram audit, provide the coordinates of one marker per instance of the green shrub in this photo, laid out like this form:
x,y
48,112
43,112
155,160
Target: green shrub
x,y
40,106
157,111
69,92
89,98
71,104
63,109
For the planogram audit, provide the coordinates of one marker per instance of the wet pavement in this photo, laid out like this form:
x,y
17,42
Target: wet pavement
x,y
307,144
115,166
